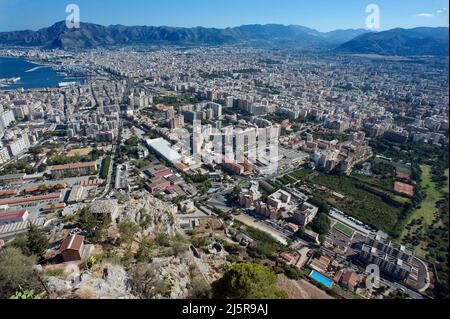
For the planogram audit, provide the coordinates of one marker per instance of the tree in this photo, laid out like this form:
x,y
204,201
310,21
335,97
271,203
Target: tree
x,y
322,239
17,273
263,250
235,194
247,281
87,220
300,232
322,205
94,224
37,242
42,168
21,242
128,231
321,224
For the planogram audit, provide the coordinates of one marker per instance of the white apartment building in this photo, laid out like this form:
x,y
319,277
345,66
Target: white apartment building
x,y
4,155
19,145
6,118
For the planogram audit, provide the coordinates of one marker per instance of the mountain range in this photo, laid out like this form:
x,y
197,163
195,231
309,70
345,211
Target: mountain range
x,y
419,41
402,42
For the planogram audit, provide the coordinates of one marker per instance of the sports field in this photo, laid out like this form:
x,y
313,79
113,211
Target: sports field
x,y
347,231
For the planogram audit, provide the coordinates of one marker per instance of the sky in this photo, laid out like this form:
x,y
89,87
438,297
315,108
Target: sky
x,y
322,15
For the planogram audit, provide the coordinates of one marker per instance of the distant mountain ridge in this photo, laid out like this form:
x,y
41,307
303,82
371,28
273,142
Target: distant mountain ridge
x,y
401,42
418,41
92,35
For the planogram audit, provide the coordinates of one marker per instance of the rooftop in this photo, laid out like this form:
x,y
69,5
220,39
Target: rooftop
x,y
12,215
73,166
73,242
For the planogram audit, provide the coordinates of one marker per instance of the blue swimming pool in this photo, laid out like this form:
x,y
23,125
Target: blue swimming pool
x,y
322,279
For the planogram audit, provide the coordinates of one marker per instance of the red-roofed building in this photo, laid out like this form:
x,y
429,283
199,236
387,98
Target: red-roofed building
x,y
8,192
163,173
157,185
289,259
76,168
50,198
13,217
350,280
44,188
72,248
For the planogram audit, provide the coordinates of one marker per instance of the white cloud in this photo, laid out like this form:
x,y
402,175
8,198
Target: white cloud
x,y
443,10
426,15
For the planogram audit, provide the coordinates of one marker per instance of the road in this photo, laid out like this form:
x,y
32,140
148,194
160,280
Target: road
x,y
116,146
396,286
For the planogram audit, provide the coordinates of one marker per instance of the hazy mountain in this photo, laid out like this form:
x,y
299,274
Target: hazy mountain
x,y
92,35
341,36
402,42
418,41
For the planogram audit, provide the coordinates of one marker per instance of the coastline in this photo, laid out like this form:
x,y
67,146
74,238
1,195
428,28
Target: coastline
x,y
32,74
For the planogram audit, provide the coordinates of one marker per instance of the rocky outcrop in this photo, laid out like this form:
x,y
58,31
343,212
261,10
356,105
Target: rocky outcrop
x,y
113,283
151,214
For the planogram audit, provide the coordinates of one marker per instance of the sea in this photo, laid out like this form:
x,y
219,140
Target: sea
x,y
32,75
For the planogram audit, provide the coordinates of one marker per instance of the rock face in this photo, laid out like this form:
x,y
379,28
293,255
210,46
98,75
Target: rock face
x,y
112,285
176,271
151,214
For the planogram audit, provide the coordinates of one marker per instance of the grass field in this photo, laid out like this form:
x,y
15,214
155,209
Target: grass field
x,y
427,209
347,231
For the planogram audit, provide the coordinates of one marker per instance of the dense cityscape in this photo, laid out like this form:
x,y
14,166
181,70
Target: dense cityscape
x,y
166,172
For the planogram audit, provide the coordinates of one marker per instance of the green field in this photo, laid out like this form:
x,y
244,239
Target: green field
x,y
361,203
428,206
427,210
347,231
372,205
